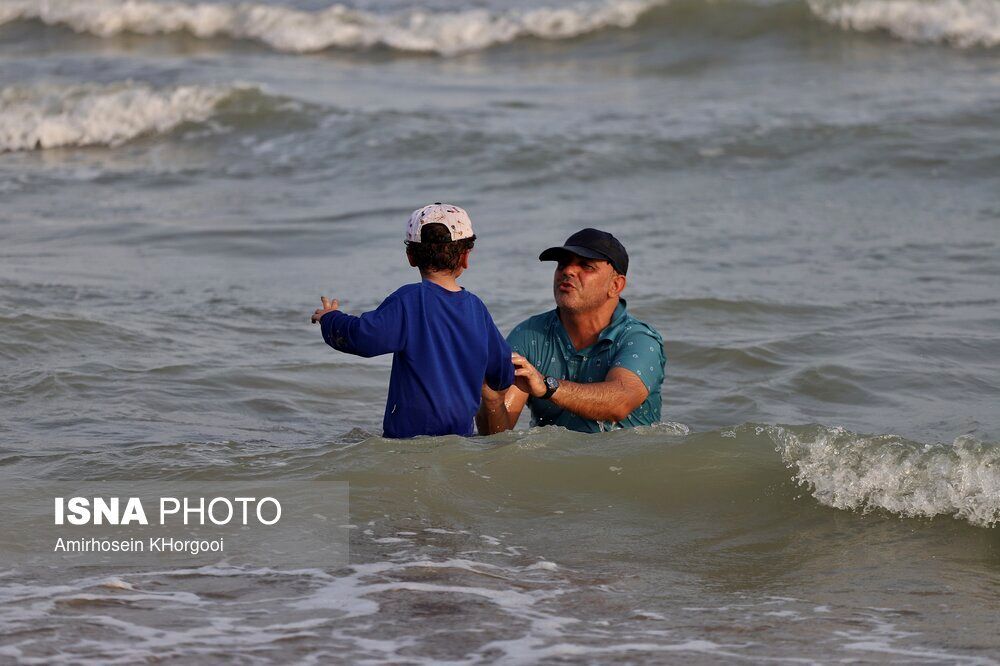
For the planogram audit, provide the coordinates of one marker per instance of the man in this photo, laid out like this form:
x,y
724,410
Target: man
x,y
588,365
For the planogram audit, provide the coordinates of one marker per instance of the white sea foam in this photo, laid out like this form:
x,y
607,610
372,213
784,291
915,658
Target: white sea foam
x,y
295,31
963,23
91,115
849,471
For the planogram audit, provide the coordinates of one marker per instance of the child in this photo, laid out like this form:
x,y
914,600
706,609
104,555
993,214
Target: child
x,y
443,340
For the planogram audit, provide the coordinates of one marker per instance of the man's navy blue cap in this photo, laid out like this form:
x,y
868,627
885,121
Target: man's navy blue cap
x,y
592,244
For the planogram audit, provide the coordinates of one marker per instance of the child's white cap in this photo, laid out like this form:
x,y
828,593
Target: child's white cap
x,y
453,217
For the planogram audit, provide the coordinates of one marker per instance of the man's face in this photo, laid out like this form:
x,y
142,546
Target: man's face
x,y
581,284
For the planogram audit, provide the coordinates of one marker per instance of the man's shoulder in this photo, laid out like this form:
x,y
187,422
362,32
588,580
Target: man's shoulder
x,y
631,326
637,346
538,324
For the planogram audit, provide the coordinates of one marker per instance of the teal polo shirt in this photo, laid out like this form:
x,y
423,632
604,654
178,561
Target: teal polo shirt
x,y
626,343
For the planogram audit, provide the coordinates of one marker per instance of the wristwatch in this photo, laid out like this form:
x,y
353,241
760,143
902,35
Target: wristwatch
x,y
551,384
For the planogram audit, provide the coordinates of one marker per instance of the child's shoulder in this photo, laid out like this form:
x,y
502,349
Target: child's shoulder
x,y
472,296
406,292
477,301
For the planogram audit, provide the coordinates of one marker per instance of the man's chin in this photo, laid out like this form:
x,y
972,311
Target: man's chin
x,y
567,303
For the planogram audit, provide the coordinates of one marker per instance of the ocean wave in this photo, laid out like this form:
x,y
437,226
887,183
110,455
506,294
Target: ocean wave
x,y
295,31
99,115
845,470
659,472
962,23
665,468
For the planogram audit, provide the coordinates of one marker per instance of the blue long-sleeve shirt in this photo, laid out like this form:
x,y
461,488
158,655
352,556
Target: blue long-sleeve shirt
x,y
444,345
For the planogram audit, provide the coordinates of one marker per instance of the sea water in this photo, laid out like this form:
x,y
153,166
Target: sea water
x,y
810,195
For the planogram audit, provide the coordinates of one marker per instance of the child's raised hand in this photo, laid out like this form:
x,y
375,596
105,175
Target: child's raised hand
x,y
328,306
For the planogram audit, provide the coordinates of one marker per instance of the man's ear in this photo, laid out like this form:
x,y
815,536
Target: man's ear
x,y
409,257
617,285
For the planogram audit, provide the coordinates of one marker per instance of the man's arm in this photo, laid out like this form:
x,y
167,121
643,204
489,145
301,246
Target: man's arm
x,y
621,392
499,410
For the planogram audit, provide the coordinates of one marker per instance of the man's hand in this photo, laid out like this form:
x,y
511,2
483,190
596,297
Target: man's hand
x,y
527,378
328,306
611,400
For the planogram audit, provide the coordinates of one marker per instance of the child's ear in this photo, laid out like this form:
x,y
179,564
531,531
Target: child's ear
x,y
464,262
409,258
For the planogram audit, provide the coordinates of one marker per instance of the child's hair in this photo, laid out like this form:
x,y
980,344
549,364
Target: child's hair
x,y
436,251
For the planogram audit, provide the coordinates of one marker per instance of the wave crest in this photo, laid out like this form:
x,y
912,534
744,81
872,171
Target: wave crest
x,y
962,23
295,31
91,115
667,469
849,471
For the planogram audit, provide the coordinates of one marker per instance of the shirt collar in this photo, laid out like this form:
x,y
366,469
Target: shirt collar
x,y
617,319
436,287
609,333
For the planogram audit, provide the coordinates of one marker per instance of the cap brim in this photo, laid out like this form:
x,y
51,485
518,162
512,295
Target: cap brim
x,y
554,253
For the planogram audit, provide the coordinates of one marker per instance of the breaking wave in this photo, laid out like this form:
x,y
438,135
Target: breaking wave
x,y
99,115
656,471
962,23
659,466
886,472
295,31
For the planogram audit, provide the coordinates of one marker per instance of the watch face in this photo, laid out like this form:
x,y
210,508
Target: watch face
x,y
552,382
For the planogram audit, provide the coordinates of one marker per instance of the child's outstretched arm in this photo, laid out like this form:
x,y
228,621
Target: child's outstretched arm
x,y
380,331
